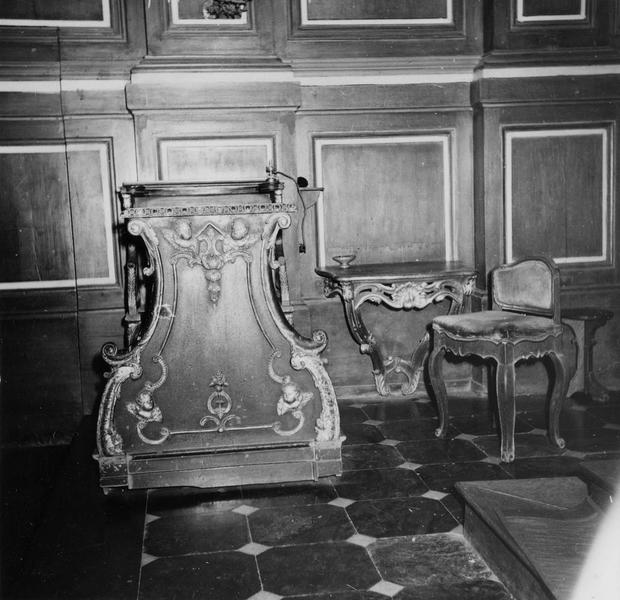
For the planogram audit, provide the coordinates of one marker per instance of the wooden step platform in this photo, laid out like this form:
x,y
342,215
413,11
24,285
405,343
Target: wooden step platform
x,y
535,534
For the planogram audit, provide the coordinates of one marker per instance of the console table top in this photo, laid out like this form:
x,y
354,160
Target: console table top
x,y
395,271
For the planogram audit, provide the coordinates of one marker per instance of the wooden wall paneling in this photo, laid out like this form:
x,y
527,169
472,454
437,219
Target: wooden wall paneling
x,y
557,193
37,234
545,27
96,328
104,148
576,157
328,30
383,151
40,376
178,28
102,36
386,199
215,158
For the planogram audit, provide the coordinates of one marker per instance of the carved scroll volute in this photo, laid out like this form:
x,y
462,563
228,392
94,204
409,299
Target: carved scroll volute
x,y
126,364
305,352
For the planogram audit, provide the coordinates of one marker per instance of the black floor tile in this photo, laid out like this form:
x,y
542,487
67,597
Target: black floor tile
x,y
443,477
422,429
370,456
176,535
400,408
185,500
360,433
608,413
88,545
27,477
527,445
221,575
440,451
316,568
402,516
371,484
300,525
289,494
593,440
547,466
350,595
485,589
484,424
569,419
352,414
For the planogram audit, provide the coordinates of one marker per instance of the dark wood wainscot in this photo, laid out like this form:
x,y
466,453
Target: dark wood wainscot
x,y
215,387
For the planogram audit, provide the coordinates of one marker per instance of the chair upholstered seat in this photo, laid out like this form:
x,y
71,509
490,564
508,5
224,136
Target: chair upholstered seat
x,y
524,323
498,325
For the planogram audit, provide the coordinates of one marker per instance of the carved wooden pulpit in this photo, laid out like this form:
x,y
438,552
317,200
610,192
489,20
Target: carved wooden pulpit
x,y
215,386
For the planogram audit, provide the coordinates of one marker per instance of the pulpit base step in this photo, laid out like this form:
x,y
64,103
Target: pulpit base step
x,y
264,465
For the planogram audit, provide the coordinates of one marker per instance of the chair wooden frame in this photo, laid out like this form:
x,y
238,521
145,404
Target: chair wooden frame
x,y
512,331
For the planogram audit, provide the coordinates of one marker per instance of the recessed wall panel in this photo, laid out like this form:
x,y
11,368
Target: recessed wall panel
x,y
542,11
215,159
56,13
46,220
386,198
375,12
557,194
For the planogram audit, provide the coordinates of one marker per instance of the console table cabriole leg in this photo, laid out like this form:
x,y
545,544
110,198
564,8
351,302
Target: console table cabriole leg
x,y
368,345
359,332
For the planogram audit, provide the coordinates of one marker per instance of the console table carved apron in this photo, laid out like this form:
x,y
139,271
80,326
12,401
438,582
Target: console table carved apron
x,y
215,387
400,286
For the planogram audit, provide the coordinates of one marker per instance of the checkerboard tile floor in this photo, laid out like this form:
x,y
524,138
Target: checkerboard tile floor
x,y
389,527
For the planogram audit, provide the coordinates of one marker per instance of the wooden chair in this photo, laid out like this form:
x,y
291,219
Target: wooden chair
x,y
524,322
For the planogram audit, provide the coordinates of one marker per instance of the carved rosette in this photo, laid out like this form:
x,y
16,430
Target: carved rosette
x,y
211,248
224,9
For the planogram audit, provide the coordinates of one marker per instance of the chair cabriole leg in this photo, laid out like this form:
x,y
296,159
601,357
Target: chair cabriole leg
x,y
439,389
505,385
558,396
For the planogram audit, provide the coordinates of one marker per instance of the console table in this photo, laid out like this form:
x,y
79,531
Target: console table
x,y
215,386
408,285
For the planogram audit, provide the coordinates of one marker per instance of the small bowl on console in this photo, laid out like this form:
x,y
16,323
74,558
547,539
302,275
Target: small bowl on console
x,y
344,260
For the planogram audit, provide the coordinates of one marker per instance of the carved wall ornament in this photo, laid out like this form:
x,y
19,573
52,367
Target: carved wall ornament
x,y
211,248
224,9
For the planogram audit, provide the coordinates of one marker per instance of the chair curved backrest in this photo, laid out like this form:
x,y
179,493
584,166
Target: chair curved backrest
x,y
530,285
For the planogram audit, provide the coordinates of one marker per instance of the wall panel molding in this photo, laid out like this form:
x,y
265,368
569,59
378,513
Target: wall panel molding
x,y
215,158
326,29
371,14
96,266
406,187
568,170
94,13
